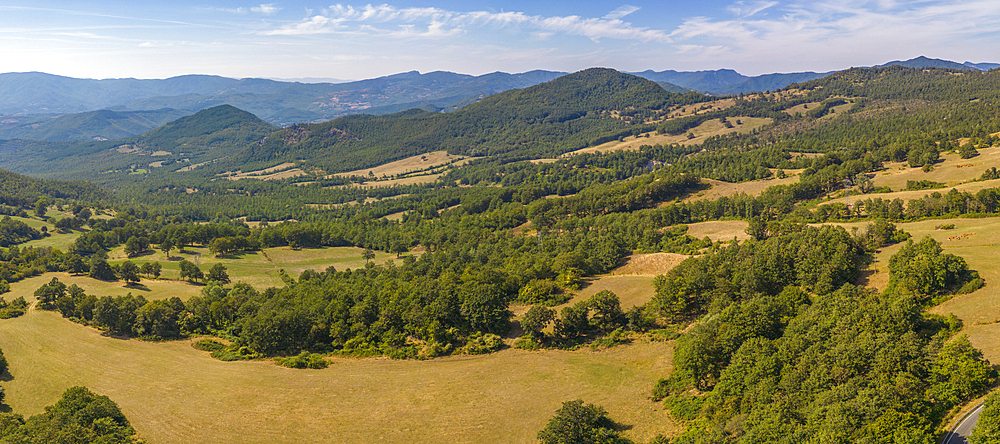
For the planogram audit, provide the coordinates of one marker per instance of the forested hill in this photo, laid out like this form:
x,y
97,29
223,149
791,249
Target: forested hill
x,y
208,135
904,83
17,190
571,112
221,125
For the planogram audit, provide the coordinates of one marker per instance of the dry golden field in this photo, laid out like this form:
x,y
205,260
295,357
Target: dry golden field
x,y
420,162
173,393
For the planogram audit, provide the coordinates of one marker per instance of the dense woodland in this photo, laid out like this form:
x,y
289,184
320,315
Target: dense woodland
x,y
778,343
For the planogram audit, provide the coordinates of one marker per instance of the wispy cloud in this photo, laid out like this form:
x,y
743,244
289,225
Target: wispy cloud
x,y
266,9
869,30
622,11
437,22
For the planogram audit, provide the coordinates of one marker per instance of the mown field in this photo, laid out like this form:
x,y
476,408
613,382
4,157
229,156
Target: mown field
x,y
173,393
261,268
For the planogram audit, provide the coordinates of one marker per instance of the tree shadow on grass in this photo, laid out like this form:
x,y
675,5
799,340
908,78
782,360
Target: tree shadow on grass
x,y
140,287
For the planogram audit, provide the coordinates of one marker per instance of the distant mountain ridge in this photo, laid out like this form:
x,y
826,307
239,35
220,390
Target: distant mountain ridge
x,y
926,62
119,108
280,103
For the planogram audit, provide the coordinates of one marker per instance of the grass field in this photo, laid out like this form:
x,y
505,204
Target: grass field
x,y
721,230
420,162
701,132
150,289
951,170
173,393
648,264
718,188
260,269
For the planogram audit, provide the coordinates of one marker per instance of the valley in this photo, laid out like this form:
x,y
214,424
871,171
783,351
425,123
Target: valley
x,y
755,268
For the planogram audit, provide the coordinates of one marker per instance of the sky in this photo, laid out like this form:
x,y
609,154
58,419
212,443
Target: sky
x,y
350,41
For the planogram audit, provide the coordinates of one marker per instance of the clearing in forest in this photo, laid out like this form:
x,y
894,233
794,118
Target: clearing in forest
x,y
952,170
173,393
284,171
718,188
702,132
418,163
258,268
719,230
975,240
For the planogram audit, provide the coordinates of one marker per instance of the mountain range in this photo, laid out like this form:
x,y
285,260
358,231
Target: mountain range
x,y
40,106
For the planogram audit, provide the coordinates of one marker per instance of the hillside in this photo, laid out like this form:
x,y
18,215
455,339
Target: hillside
x,y
91,125
208,135
772,267
565,114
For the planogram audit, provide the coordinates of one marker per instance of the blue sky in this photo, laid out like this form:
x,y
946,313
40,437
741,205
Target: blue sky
x,y
296,39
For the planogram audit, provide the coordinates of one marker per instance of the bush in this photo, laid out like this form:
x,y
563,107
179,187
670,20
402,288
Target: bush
x,y
527,342
209,345
480,344
304,360
973,285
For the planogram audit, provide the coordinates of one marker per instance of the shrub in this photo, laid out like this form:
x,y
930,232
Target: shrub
x,y
209,345
480,344
304,360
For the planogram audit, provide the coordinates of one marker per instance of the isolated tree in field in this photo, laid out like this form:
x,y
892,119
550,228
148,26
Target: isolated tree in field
x,y
40,207
607,310
218,274
190,271
368,255
166,246
129,272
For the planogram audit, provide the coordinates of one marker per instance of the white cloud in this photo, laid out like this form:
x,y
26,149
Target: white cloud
x,y
266,9
436,22
622,11
743,9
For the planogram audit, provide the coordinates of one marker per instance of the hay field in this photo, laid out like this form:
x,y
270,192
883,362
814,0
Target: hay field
x,y
649,264
951,170
718,188
719,230
970,187
260,268
411,164
173,393
702,132
150,289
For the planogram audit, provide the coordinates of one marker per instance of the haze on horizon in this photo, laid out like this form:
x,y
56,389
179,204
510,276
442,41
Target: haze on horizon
x,y
302,38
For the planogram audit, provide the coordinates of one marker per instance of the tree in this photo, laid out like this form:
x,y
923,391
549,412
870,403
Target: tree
x,y
49,293
40,207
579,423
608,313
133,247
157,318
129,272
368,255
536,319
151,269
166,246
190,271
99,269
987,429
218,274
